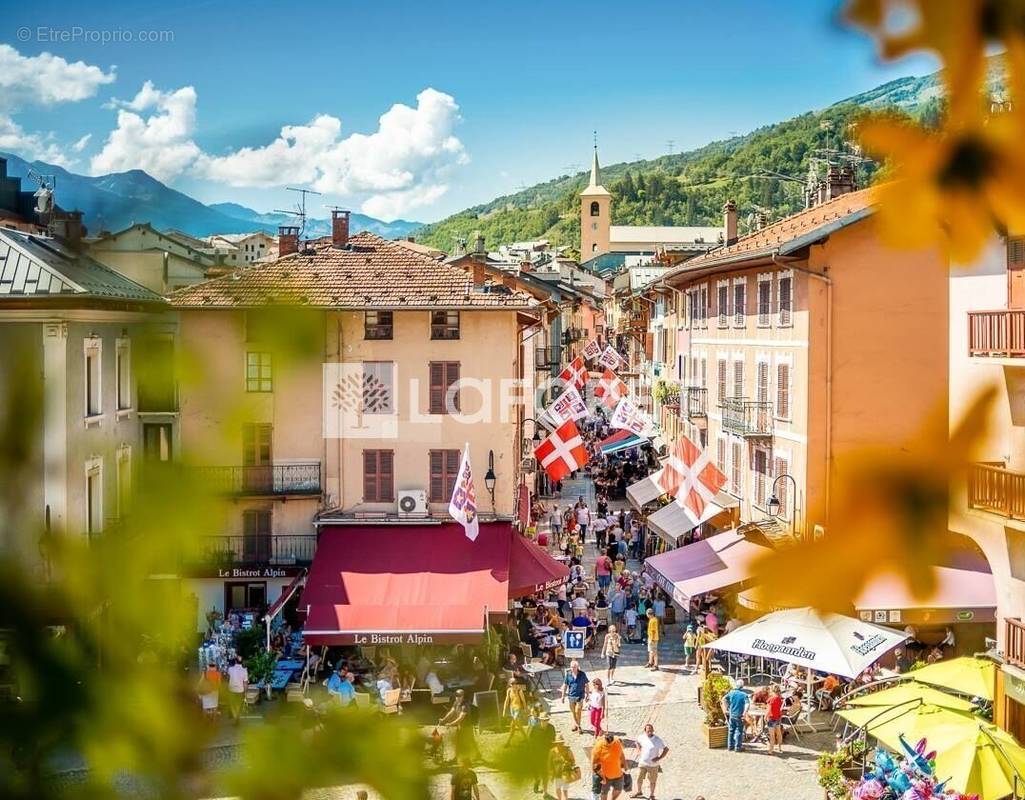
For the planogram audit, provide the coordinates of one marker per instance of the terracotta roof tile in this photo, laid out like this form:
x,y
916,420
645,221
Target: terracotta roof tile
x,y
785,231
370,272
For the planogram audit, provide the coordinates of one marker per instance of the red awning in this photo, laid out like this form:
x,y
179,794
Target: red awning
x,y
531,569
405,584
285,596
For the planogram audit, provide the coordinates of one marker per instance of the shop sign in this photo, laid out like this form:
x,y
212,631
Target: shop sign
x,y
573,643
965,616
257,572
393,638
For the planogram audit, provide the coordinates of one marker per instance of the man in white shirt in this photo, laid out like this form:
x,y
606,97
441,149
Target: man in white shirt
x,y
238,680
579,604
434,684
600,526
583,520
652,750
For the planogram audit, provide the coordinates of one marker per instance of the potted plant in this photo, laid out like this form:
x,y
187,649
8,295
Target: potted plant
x,y
713,689
261,667
838,770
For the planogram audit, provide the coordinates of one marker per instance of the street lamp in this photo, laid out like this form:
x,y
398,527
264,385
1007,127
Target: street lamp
x,y
536,438
489,477
775,505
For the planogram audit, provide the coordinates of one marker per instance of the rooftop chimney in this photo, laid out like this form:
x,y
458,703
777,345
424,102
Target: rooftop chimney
x,y
67,226
729,211
526,265
480,243
477,271
761,219
288,240
339,228
839,181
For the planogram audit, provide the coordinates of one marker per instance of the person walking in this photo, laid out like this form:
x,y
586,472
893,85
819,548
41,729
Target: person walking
x,y
609,761
734,706
774,719
652,751
610,652
238,682
597,704
617,605
653,637
515,706
603,571
601,525
464,784
690,644
574,688
562,767
542,739
555,525
583,520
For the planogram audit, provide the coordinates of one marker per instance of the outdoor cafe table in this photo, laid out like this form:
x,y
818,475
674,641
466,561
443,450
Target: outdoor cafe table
x,y
290,663
758,712
279,680
536,673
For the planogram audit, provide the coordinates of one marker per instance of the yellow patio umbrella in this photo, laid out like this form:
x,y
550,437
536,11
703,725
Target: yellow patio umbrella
x,y
967,675
941,727
908,692
984,764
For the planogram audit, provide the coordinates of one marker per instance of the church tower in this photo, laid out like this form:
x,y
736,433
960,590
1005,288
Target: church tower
x,y
595,215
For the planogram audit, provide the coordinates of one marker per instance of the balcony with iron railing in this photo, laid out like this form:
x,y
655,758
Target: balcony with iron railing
x,y
996,334
994,488
696,402
1014,642
671,396
752,418
253,549
264,480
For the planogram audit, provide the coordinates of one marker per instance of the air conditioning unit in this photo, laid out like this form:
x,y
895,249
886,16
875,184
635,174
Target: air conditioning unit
x,y
413,503
528,465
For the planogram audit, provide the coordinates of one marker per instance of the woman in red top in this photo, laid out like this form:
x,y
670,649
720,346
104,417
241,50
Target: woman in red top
x,y
774,719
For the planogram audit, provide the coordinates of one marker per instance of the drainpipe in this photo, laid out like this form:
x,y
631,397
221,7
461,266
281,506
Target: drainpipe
x,y
829,373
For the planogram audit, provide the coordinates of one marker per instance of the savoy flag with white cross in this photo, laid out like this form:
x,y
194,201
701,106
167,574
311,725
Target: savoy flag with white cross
x,y
610,389
610,358
575,373
568,405
463,505
627,416
563,452
591,350
690,475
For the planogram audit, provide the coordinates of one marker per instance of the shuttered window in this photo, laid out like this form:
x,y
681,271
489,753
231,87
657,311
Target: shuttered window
x,y
444,324
740,304
782,488
737,470
1016,251
444,471
762,395
761,468
738,378
786,287
724,305
721,379
444,390
378,387
720,455
764,301
378,476
783,391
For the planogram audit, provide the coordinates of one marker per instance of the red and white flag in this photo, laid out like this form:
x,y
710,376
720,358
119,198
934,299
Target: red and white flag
x,y
690,475
567,406
627,416
591,350
611,389
610,358
575,373
463,505
563,452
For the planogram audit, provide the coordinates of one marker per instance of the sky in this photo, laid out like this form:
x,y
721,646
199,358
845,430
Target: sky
x,y
406,108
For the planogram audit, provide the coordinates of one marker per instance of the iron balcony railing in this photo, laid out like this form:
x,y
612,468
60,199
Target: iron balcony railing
x,y
1014,642
993,487
672,396
746,417
259,548
270,479
696,402
997,333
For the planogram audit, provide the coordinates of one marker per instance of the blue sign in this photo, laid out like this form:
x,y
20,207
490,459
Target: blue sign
x,y
573,642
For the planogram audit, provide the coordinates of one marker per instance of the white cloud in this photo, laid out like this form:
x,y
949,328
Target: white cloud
x,y
159,143
42,80
399,167
82,143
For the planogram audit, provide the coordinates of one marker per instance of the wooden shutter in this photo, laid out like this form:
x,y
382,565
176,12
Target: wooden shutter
x,y
785,301
720,455
385,476
451,379
649,345
737,471
437,399
722,379
436,486
783,391
763,382
780,467
724,306
738,378
452,459
761,465
369,476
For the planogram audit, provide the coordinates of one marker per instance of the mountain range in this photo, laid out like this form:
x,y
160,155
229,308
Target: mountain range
x,y
113,202
764,171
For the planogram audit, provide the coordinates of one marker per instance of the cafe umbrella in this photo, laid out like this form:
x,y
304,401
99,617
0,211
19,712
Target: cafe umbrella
x,y
813,639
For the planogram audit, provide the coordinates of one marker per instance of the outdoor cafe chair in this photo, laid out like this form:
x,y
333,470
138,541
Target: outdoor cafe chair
x,y
802,717
527,650
601,616
361,700
391,702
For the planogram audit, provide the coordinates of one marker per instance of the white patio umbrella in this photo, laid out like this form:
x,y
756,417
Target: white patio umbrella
x,y
815,640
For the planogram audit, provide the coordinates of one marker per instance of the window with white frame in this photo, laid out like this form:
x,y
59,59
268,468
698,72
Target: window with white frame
x,y
761,474
93,377
723,303
785,298
764,300
93,497
783,390
740,302
259,375
123,476
781,466
123,374
737,469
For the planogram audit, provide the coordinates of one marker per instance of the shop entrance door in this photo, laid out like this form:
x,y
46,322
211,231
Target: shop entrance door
x,y
242,595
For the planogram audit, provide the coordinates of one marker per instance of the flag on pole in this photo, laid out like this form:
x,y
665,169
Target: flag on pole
x,y
563,452
689,475
463,505
610,358
591,350
628,416
611,389
575,373
568,405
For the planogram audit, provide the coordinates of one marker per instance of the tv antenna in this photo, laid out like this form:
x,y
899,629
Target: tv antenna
x,y
44,194
670,144
300,207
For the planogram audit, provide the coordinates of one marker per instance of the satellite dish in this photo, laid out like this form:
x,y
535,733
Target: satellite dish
x,y
44,200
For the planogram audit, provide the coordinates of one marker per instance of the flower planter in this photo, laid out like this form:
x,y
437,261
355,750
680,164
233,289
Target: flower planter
x,y
716,736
